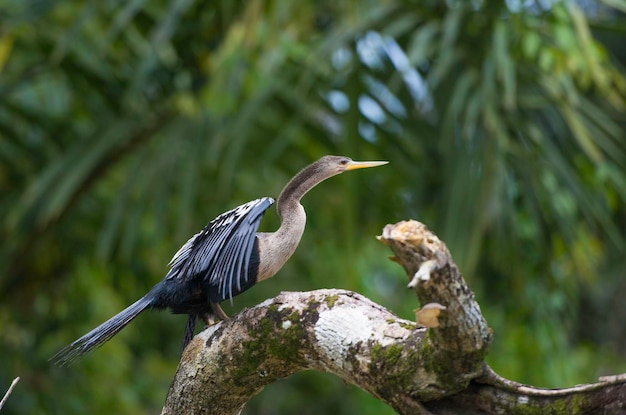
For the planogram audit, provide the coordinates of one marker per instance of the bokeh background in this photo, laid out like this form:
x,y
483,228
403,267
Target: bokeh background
x,y
125,126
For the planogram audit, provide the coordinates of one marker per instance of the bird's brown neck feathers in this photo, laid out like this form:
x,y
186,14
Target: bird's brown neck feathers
x,y
299,185
276,247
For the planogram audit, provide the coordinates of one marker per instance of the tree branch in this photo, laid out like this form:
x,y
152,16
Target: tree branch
x,y
9,391
492,394
413,369
333,331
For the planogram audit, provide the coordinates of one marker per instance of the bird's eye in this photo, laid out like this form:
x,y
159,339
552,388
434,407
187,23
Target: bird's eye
x,y
343,161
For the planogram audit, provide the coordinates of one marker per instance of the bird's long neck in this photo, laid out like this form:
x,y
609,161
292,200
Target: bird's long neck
x,y
277,247
297,187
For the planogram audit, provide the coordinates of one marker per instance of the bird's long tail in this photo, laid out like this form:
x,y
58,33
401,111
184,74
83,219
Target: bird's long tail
x,y
101,334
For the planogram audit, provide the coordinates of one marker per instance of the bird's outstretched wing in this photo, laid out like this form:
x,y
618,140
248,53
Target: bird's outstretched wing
x,y
220,254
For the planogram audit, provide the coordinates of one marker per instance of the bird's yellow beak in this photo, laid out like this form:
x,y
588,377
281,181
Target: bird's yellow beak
x,y
353,165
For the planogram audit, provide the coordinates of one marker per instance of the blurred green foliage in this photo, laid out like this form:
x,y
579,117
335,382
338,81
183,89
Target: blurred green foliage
x,y
126,126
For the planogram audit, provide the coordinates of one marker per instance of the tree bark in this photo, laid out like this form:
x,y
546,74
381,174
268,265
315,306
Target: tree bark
x,y
414,369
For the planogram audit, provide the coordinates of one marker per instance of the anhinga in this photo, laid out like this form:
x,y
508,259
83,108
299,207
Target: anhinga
x,y
224,259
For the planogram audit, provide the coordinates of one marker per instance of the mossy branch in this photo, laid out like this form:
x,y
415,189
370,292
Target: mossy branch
x,y
333,331
413,369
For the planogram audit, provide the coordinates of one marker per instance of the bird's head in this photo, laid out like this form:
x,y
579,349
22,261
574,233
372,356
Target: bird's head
x,y
322,169
333,165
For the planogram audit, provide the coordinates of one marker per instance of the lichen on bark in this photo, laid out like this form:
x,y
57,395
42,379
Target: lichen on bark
x,y
415,370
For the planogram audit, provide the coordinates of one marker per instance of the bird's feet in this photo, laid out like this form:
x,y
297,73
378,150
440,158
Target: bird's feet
x,y
218,314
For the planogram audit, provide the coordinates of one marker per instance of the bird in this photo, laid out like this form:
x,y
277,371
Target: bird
x,y
223,260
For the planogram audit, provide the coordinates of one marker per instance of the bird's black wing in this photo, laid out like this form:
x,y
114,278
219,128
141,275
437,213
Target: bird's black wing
x,y
220,254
